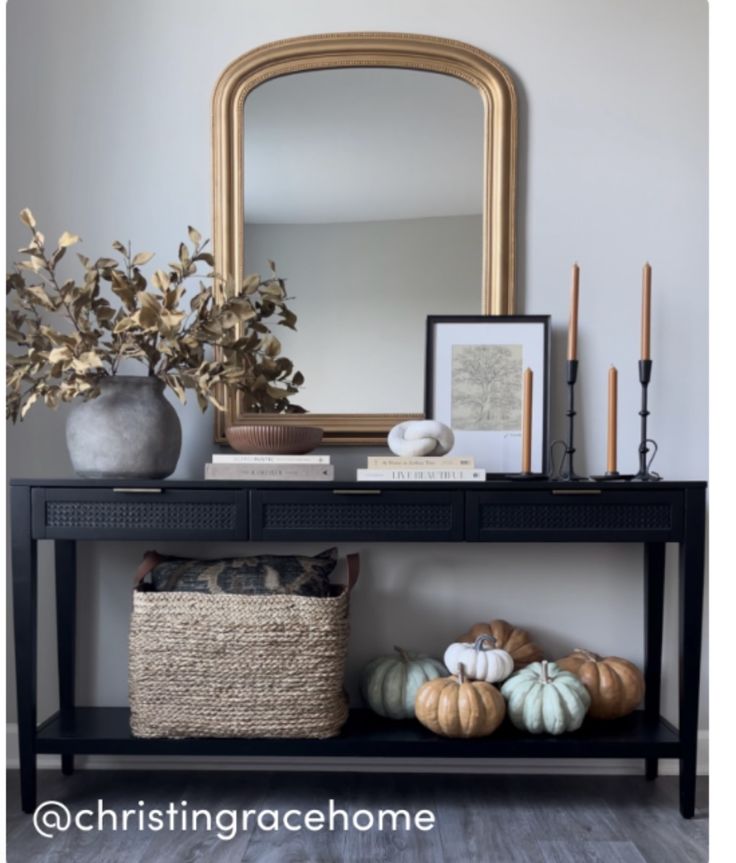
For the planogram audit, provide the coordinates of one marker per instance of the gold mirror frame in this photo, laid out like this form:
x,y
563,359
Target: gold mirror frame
x,y
335,50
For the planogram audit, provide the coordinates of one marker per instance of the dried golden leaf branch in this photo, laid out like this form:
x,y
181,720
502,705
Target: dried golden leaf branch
x,y
69,335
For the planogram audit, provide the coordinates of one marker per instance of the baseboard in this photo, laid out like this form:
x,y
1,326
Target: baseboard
x,y
579,766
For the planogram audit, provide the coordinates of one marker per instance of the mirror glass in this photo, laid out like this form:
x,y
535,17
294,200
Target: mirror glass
x,y
365,186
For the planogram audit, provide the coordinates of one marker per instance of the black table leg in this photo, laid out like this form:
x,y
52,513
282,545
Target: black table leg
x,y
23,549
654,557
692,553
66,602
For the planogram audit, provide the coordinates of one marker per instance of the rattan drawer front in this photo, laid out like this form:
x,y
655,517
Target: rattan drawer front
x,y
131,514
372,514
559,516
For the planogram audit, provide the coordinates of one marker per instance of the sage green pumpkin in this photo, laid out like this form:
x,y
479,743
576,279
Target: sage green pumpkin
x,y
390,683
544,699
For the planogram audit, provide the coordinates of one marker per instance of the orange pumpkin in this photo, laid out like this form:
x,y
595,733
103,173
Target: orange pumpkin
x,y
515,641
616,686
457,707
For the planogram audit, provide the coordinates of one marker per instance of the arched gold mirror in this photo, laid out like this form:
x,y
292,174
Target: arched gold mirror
x,y
378,171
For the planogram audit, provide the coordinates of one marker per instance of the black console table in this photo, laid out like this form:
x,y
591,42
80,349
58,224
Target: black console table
x,y
652,514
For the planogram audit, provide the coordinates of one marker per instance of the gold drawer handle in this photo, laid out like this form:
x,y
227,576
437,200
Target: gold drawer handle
x,y
577,491
137,490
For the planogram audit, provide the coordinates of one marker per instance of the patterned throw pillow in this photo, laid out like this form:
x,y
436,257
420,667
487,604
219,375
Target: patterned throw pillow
x,y
261,574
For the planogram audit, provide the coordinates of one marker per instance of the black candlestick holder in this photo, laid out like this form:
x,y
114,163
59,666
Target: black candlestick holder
x,y
566,471
646,444
612,476
526,476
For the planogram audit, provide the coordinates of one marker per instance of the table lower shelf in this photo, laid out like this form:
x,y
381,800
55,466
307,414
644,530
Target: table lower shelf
x,y
106,731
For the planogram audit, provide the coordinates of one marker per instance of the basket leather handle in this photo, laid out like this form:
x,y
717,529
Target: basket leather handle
x,y
353,561
151,559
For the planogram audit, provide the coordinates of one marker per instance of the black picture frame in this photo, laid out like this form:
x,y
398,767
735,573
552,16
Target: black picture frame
x,y
433,321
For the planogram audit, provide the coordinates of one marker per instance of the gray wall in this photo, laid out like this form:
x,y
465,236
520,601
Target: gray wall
x,y
108,136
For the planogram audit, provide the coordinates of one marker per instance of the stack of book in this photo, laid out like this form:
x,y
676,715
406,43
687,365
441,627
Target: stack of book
x,y
292,468
421,469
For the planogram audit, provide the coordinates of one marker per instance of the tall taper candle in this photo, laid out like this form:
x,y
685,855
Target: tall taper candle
x,y
526,430
612,420
572,331
646,312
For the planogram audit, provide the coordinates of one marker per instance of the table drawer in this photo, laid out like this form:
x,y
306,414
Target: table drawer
x,y
357,514
150,513
561,515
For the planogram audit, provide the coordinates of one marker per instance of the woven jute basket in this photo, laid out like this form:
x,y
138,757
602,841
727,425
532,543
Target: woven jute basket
x,y
228,665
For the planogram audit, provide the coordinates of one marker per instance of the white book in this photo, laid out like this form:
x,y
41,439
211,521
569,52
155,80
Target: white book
x,y
292,472
449,475
236,458
380,462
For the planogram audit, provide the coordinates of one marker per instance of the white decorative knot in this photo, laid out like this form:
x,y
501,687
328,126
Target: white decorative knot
x,y
420,438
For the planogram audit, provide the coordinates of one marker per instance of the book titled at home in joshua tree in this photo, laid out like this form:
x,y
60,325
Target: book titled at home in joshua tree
x,y
449,475
425,462
276,472
237,458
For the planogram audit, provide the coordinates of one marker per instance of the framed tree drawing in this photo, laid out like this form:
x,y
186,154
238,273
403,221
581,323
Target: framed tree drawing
x,y
473,383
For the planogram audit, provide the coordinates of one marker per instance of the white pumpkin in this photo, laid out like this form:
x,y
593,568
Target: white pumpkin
x,y
482,659
390,683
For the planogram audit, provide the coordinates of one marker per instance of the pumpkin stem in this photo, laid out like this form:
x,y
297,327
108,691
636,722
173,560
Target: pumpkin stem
x,y
481,640
545,674
460,673
588,654
402,653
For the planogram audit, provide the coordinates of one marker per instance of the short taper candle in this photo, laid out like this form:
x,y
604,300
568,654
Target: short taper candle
x,y
646,313
572,332
526,432
612,459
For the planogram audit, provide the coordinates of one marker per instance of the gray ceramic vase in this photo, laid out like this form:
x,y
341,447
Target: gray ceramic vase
x,y
129,431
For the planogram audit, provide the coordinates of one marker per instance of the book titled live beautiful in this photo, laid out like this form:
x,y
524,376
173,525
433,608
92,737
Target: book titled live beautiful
x,y
434,475
291,472
396,462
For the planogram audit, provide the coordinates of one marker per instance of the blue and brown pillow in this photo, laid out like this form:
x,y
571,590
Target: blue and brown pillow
x,y
263,574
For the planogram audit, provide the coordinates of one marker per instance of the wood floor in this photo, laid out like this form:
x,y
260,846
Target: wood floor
x,y
480,819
